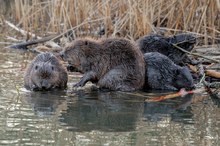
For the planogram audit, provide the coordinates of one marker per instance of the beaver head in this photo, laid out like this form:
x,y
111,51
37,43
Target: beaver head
x,y
183,78
45,73
185,41
78,54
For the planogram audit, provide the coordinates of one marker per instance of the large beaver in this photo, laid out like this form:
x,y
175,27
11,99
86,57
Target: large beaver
x,y
163,45
113,63
162,73
45,72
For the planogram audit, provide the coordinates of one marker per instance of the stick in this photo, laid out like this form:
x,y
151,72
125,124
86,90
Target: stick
x,y
33,42
23,32
212,73
181,93
12,39
198,34
195,54
208,72
213,85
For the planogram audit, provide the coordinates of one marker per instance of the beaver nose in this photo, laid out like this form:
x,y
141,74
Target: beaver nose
x,y
45,85
192,86
35,89
44,88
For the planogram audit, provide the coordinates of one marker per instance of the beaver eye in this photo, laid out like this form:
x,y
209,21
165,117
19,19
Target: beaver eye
x,y
52,67
36,67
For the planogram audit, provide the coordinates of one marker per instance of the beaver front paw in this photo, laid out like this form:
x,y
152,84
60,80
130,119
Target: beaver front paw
x,y
79,84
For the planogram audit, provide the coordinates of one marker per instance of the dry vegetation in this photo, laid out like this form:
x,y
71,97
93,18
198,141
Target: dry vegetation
x,y
128,18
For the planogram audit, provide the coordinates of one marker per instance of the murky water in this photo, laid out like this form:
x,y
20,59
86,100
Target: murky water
x,y
95,117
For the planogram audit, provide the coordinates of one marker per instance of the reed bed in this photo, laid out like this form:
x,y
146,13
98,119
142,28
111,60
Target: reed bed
x,y
127,18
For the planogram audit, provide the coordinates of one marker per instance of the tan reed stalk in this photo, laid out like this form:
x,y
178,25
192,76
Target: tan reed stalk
x,y
128,18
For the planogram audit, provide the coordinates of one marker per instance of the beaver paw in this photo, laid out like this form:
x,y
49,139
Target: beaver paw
x,y
79,84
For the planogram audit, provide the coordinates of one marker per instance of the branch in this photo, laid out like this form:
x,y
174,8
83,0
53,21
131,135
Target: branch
x,y
181,93
23,32
33,42
208,72
195,54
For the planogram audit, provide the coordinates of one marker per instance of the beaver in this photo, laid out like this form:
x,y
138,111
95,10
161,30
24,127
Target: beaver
x,y
163,45
162,73
113,63
45,72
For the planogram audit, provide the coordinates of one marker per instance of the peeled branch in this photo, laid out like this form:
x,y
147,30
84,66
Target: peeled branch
x,y
212,73
181,93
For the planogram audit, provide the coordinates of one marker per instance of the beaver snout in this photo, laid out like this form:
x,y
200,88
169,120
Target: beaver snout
x,y
192,86
44,88
45,85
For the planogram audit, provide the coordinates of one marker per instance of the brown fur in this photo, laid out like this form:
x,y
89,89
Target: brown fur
x,y
114,63
45,72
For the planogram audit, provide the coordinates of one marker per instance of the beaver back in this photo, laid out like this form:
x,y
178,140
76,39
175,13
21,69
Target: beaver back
x,y
105,55
163,45
162,73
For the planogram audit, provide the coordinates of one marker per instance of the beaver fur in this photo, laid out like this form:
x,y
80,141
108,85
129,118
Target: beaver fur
x,y
162,73
163,45
45,73
113,63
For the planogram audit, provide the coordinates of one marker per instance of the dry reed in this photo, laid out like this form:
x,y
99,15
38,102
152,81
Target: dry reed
x,y
127,18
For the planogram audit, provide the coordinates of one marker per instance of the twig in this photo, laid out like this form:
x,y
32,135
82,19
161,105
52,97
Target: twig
x,y
181,93
12,39
213,85
212,73
208,87
25,44
208,72
179,30
5,43
23,32
195,54
17,89
83,23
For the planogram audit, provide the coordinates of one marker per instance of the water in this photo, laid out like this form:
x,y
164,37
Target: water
x,y
97,118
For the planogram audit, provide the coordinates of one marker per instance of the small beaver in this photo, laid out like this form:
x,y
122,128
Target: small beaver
x,y
45,72
113,63
163,45
162,73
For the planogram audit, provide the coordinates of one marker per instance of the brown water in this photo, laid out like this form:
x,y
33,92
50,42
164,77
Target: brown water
x,y
97,118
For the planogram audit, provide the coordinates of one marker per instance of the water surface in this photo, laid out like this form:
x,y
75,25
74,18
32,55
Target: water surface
x,y
96,117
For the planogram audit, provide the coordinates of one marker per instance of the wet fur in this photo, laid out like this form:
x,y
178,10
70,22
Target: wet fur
x,y
161,44
45,72
114,63
162,73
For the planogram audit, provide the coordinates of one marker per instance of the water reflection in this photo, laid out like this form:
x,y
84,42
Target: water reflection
x,y
116,111
45,104
103,111
178,110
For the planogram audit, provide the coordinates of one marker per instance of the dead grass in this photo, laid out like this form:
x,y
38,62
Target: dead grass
x,y
127,18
